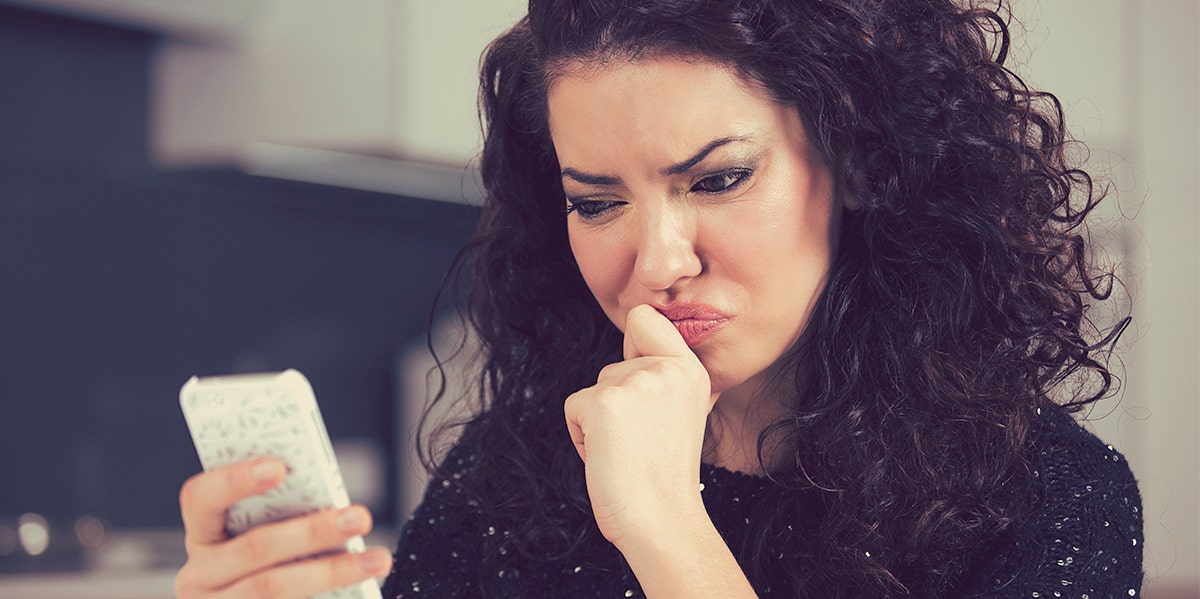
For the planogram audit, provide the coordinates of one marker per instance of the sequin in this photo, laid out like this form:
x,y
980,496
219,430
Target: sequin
x,y
628,592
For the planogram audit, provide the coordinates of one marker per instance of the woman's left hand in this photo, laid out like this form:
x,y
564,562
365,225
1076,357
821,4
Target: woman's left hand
x,y
640,432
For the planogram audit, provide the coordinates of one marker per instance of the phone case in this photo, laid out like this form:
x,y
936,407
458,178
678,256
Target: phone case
x,y
236,418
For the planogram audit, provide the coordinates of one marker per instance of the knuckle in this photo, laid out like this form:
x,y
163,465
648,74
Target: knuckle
x,y
608,399
641,378
238,477
606,395
323,525
607,371
345,570
188,492
185,583
267,584
254,548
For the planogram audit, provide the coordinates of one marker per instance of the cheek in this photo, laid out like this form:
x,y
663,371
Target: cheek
x,y
782,251
603,264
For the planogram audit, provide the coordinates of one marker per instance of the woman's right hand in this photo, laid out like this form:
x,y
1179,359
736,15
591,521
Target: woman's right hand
x,y
262,562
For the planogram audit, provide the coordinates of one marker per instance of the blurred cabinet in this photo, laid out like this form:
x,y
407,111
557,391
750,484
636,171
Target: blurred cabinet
x,y
388,78
392,78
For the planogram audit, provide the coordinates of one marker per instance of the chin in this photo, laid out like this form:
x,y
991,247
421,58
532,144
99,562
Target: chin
x,y
721,382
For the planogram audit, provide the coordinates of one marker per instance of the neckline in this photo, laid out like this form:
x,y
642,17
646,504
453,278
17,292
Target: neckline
x,y
721,472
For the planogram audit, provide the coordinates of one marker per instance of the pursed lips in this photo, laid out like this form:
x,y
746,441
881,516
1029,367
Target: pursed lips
x,y
695,322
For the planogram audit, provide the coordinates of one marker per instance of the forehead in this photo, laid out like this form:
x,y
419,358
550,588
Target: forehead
x,y
665,105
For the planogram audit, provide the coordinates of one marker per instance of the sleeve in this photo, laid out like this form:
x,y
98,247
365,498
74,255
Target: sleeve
x,y
1083,537
438,551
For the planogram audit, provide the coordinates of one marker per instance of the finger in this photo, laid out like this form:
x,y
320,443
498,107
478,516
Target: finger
x,y
205,497
271,544
571,409
649,333
310,577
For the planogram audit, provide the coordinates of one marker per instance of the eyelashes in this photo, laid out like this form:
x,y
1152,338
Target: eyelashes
x,y
715,184
591,209
722,181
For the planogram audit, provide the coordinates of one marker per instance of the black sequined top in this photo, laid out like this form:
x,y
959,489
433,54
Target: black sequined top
x,y
1083,539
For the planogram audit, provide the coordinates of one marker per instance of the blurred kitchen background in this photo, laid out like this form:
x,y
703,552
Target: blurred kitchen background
x,y
215,186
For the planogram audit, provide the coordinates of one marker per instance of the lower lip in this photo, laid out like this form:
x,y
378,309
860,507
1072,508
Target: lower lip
x,y
695,331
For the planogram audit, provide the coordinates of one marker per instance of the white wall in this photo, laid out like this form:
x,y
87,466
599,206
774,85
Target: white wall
x,y
1128,72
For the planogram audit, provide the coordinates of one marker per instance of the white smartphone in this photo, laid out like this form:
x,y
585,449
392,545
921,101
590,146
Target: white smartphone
x,y
241,417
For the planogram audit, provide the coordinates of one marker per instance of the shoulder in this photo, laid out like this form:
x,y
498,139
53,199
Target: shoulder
x,y
1073,470
438,546
1082,530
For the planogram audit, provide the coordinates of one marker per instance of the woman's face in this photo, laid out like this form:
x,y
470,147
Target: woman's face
x,y
691,190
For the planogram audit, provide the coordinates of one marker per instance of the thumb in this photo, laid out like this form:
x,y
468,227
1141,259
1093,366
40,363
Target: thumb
x,y
649,333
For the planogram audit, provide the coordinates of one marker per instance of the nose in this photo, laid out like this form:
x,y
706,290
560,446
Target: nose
x,y
667,250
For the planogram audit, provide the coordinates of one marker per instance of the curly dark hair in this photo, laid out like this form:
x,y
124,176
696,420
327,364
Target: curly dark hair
x,y
955,312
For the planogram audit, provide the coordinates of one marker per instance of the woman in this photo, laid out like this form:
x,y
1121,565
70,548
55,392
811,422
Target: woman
x,y
813,308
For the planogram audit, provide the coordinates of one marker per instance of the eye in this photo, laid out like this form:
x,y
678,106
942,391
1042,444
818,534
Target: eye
x,y
591,209
720,182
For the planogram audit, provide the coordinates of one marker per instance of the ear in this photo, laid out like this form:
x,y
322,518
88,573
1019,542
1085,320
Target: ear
x,y
850,202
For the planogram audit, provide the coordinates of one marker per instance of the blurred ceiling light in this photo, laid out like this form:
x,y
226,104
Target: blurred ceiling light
x,y
34,533
90,531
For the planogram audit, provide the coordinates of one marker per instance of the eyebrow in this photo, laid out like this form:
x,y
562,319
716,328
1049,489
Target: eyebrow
x,y
675,169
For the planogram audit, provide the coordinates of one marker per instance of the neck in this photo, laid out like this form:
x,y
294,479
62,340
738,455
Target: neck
x,y
738,418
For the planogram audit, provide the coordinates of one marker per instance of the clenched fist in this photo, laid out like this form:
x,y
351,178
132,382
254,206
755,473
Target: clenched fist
x,y
640,431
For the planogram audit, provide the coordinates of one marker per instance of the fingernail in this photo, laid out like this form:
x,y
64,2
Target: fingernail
x,y
371,561
352,520
268,471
